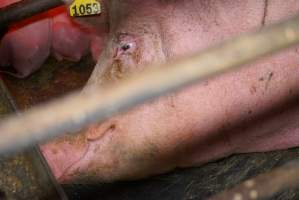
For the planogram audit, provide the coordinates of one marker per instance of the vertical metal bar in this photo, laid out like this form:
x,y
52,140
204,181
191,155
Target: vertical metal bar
x,y
25,175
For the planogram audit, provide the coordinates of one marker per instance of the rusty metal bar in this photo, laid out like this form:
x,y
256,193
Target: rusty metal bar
x,y
76,110
25,175
264,185
24,9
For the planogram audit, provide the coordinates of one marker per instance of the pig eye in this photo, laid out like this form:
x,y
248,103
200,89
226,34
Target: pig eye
x,y
126,44
126,47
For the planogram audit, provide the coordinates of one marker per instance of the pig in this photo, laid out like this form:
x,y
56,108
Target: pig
x,y
252,109
25,49
29,43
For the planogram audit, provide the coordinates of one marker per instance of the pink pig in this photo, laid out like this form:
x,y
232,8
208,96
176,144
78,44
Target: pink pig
x,y
249,110
28,44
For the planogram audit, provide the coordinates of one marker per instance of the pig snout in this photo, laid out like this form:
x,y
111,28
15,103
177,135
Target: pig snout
x,y
249,110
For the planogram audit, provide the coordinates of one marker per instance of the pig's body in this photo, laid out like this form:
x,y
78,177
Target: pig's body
x,y
243,111
28,44
69,41
26,49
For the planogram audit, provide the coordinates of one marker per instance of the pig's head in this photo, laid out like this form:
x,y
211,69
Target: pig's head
x,y
121,147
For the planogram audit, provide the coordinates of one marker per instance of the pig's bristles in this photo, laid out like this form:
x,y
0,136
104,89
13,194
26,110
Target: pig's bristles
x,y
78,110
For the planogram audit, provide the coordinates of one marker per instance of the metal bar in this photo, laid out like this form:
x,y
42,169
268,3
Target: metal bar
x,y
264,185
76,110
26,8
22,10
25,175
